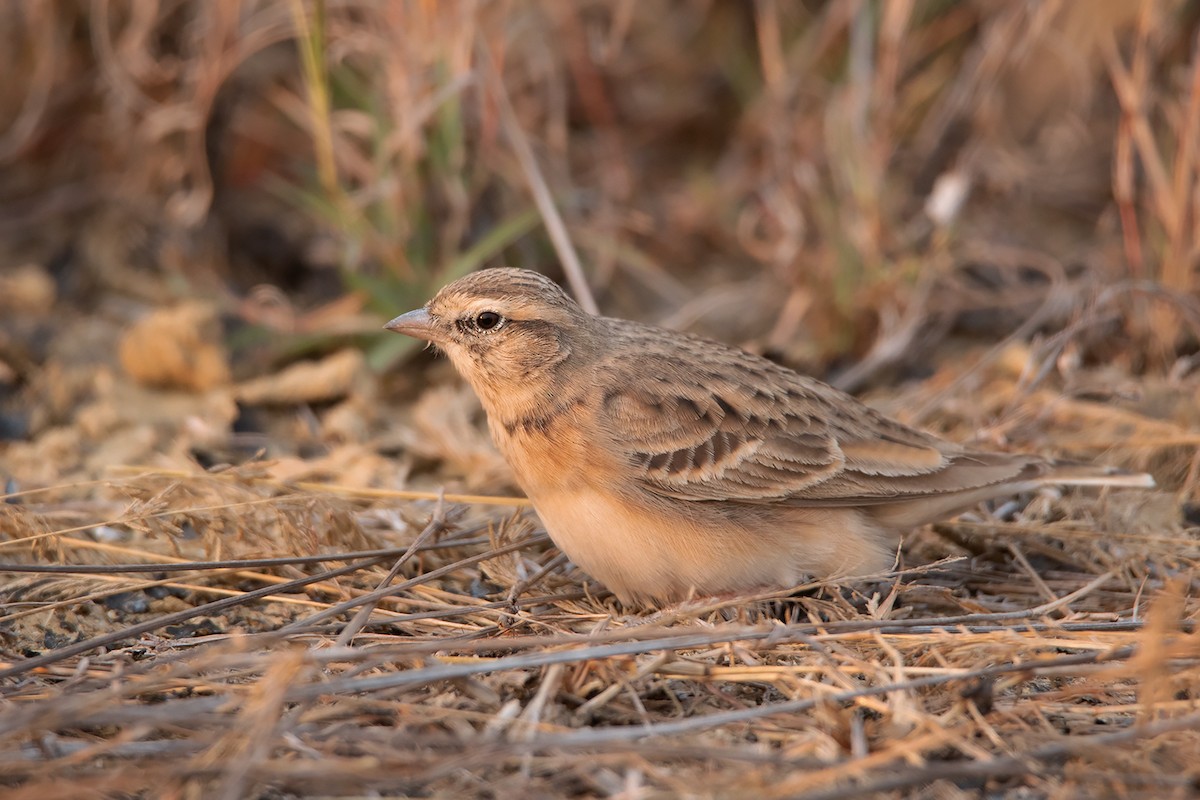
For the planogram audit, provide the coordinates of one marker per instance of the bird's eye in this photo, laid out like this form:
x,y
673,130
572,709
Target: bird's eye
x,y
488,320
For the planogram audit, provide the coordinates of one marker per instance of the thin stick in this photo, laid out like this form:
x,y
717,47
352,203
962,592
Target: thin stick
x,y
328,488
436,525
385,591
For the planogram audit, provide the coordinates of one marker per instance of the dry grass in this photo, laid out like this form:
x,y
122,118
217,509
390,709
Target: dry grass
x,y
983,215
287,639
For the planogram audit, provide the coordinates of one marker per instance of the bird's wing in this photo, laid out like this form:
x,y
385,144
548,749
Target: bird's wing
x,y
748,430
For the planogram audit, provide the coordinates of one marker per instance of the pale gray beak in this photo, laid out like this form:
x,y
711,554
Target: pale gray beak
x,y
417,324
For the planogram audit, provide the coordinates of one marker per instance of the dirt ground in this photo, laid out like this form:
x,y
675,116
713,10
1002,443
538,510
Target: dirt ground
x,y
253,546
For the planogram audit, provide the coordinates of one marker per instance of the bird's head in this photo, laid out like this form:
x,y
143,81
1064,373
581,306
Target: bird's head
x,y
505,330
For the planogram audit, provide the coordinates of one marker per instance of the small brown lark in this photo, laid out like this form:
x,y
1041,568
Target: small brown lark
x,y
665,465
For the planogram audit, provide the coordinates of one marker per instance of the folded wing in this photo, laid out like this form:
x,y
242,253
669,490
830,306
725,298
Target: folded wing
x,y
779,437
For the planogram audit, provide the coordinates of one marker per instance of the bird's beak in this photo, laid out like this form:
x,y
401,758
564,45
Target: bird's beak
x,y
417,324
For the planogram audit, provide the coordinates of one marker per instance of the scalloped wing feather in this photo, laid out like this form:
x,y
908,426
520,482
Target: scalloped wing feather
x,y
698,435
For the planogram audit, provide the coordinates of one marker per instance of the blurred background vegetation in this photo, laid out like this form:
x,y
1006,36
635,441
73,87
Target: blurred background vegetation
x,y
842,184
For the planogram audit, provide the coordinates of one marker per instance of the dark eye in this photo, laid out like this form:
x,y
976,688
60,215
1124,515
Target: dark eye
x,y
488,320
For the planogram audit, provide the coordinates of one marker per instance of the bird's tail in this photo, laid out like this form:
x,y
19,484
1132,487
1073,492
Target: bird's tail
x,y
1035,473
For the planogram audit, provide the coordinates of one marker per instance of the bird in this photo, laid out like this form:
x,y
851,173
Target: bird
x,y
669,466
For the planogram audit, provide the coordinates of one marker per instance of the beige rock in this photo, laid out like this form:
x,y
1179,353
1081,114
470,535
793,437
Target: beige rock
x,y
331,378
178,347
27,288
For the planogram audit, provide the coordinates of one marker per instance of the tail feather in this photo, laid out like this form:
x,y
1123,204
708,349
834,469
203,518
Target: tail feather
x,y
916,511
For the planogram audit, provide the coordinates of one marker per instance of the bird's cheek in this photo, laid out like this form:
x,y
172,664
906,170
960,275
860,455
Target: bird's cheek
x,y
497,364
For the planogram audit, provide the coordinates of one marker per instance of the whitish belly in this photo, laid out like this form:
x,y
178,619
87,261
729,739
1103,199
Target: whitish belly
x,y
641,555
